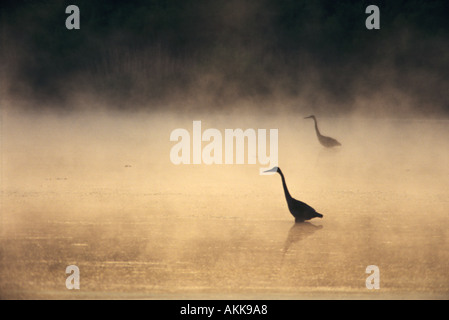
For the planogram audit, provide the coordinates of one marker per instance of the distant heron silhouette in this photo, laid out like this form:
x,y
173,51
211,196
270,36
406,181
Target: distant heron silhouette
x,y
328,142
300,210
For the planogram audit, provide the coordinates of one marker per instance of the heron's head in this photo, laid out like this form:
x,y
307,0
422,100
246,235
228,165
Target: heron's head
x,y
274,169
310,117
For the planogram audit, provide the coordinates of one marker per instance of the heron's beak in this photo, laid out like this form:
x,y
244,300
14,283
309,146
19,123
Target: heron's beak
x,y
274,169
308,117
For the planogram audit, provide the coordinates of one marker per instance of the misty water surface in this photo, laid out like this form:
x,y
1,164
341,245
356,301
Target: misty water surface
x,y
99,191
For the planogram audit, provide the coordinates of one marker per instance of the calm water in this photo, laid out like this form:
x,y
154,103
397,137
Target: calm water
x,y
102,194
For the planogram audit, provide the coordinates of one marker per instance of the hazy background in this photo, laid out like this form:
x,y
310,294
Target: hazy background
x,y
198,54
86,177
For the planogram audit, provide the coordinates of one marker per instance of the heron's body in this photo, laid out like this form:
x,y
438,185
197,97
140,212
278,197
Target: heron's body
x,y
327,142
299,210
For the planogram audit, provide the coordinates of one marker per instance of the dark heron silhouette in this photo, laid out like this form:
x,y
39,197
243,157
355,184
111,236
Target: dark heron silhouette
x,y
328,142
300,210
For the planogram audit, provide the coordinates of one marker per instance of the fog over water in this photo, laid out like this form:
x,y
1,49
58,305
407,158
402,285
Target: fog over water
x,y
98,190
87,178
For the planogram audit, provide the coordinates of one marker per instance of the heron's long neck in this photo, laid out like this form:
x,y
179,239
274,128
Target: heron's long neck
x,y
316,128
287,194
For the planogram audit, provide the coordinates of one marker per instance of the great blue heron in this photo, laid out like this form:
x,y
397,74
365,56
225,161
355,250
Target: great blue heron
x,y
328,142
300,210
